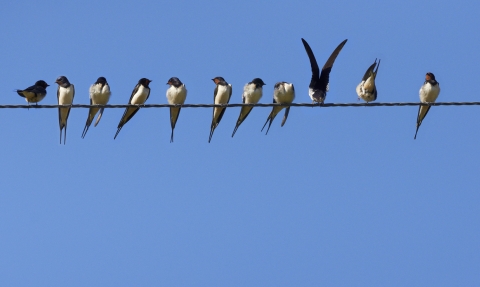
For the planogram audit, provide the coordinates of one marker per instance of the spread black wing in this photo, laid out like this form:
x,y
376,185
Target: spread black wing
x,y
325,75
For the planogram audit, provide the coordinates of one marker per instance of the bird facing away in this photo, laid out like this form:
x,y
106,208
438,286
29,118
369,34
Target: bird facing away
x,y
221,95
428,94
367,90
319,83
65,95
252,93
35,93
99,95
283,93
176,95
139,96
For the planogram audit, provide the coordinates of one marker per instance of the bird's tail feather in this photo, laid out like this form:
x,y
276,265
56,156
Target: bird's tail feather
x,y
19,92
415,137
235,129
65,135
269,121
99,117
266,122
287,110
211,134
118,130
87,125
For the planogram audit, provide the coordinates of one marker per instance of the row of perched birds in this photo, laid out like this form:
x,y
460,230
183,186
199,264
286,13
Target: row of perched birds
x,y
284,93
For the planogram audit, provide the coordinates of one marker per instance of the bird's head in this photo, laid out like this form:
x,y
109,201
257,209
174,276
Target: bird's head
x,y
258,82
144,82
41,83
174,81
430,77
216,80
101,80
62,81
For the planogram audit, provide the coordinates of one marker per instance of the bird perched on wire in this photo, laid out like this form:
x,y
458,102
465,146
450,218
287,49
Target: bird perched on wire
x,y
139,96
65,95
367,90
221,95
176,95
35,93
319,84
428,94
283,93
252,93
99,95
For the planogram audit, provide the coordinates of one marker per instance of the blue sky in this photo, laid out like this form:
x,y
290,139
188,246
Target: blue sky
x,y
336,197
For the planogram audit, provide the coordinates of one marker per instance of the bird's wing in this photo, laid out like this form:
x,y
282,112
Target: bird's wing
x,y
313,61
369,71
325,75
376,70
230,95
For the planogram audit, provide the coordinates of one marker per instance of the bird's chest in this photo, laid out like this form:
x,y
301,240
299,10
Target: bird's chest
x,y
222,95
252,96
429,93
140,96
284,97
100,96
176,95
65,95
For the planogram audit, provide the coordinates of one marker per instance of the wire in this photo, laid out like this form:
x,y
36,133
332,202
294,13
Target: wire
x,y
327,105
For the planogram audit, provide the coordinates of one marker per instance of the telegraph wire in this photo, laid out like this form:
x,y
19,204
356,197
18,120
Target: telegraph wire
x,y
326,105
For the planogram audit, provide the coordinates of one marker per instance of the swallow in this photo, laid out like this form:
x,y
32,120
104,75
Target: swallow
x,y
65,95
252,93
176,95
35,93
428,94
221,95
367,90
99,95
283,93
139,96
319,84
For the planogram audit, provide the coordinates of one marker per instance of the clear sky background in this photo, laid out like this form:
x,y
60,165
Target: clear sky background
x,y
336,197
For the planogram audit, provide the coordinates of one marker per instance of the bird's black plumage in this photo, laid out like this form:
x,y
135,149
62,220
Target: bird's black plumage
x,y
245,111
319,83
35,93
126,117
219,81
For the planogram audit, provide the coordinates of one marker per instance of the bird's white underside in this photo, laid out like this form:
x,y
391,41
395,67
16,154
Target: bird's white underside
x,y
429,93
284,94
65,97
100,95
222,97
140,96
176,96
251,95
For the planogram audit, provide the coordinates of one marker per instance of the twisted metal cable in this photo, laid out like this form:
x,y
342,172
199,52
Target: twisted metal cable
x,y
326,105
